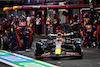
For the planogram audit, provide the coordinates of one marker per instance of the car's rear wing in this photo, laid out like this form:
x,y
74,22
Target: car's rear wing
x,y
63,35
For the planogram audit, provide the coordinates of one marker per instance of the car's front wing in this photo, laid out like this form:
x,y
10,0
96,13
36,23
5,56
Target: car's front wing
x,y
67,54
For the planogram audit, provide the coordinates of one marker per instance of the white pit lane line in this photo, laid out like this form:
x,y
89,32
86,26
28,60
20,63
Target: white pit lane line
x,y
11,64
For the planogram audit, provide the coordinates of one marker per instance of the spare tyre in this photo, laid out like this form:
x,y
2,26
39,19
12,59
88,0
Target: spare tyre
x,y
4,43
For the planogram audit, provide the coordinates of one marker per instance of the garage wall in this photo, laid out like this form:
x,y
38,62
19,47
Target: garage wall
x,y
62,17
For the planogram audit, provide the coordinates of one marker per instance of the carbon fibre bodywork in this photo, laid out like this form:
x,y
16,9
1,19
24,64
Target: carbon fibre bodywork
x,y
59,46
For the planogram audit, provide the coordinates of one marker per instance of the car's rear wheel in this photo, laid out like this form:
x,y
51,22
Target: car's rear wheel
x,y
79,50
38,51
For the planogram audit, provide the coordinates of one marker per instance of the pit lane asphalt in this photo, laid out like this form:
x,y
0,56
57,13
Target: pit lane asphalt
x,y
91,58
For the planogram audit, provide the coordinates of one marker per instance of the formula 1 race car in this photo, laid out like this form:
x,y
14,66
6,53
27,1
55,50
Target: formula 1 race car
x,y
60,45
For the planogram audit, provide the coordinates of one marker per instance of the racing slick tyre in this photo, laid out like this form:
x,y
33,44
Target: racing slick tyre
x,y
4,43
1,43
38,51
79,50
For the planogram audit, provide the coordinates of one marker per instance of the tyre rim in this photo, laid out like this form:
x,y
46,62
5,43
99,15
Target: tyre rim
x,y
1,43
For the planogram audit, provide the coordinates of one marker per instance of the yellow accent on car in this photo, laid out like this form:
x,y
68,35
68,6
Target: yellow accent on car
x,y
72,39
64,33
58,51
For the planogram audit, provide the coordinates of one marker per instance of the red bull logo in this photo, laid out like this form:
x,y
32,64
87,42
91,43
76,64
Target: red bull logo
x,y
22,23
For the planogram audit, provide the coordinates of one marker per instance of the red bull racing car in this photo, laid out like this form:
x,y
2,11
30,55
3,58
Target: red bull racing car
x,y
59,45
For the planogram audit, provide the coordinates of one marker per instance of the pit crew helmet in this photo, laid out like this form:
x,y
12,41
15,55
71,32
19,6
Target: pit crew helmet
x,y
11,17
55,16
75,17
86,15
17,19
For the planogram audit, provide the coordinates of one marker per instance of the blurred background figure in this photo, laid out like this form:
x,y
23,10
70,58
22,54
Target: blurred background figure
x,y
32,23
38,25
48,22
86,18
75,25
28,19
56,23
